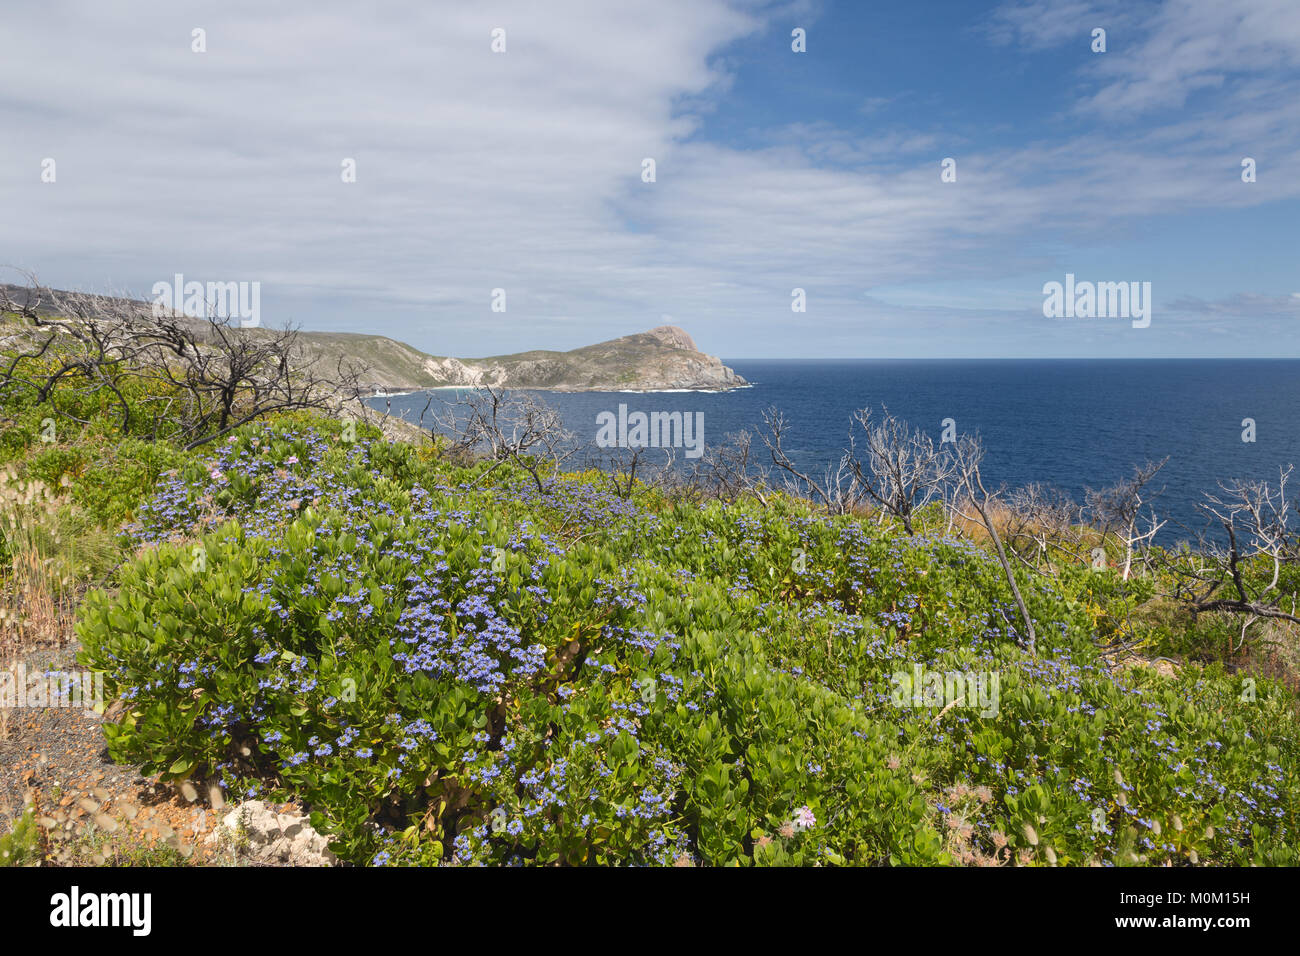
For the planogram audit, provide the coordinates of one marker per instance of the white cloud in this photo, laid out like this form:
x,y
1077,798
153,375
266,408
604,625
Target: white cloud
x,y
1194,45
1047,24
523,170
1241,305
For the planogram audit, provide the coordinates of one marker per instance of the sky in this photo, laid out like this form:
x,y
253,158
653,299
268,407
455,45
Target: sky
x,y
523,169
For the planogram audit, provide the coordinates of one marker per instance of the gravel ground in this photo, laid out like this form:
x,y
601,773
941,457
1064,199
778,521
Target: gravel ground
x,y
57,757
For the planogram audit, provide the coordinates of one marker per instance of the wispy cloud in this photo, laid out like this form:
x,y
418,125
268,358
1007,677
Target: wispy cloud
x,y
1047,24
522,170
1242,305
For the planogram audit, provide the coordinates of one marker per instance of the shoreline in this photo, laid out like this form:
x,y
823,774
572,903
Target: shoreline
x,y
562,389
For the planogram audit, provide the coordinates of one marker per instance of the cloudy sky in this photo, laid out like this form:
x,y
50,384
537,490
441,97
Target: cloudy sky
x,y
774,169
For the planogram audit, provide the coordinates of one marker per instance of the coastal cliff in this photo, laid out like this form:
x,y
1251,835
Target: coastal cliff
x,y
660,359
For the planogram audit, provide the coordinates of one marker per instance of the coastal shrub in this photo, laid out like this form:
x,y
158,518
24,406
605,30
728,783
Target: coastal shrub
x,y
447,663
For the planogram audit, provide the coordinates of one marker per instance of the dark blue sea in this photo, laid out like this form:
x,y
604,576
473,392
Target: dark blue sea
x,y
1073,423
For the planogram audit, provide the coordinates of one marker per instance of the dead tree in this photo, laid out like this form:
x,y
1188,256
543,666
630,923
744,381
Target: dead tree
x,y
836,489
1240,575
1118,509
521,430
728,471
202,377
904,470
967,456
620,467
1043,519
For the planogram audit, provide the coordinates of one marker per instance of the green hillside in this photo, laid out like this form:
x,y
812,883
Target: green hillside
x,y
446,665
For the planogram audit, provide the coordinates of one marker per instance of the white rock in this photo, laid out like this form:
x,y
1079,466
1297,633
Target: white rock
x,y
271,837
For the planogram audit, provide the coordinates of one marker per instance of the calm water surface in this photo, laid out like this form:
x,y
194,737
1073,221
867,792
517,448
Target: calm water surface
x,y
1071,423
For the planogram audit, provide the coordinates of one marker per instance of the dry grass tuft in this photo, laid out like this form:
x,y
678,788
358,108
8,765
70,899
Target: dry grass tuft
x,y
42,554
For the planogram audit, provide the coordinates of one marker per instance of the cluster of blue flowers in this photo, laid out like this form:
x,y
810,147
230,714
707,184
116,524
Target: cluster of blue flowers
x,y
554,714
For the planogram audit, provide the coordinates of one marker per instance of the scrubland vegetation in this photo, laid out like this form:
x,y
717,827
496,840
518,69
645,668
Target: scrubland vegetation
x,y
447,659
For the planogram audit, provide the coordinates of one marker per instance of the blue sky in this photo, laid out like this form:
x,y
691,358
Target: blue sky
x,y
775,170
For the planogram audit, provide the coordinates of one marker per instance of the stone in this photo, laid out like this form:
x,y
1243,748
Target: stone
x,y
256,830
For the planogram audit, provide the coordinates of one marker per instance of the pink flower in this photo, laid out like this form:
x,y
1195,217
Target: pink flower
x,y
217,475
804,819
291,460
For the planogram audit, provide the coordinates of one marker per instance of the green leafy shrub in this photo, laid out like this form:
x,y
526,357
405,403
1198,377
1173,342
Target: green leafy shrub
x,y
446,666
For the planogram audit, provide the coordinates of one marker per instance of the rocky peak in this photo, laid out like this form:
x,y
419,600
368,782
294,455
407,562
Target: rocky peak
x,y
674,337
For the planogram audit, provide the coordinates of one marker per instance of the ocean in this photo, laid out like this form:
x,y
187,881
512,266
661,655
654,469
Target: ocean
x,y
1072,423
